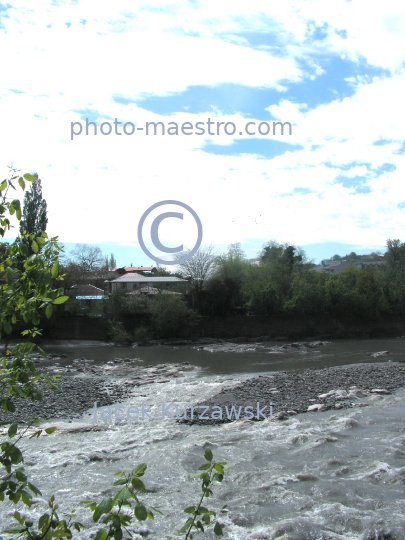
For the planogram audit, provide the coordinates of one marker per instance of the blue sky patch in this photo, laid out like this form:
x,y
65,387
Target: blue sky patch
x,y
263,147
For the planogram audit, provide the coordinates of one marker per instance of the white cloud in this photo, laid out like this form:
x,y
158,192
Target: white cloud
x,y
98,187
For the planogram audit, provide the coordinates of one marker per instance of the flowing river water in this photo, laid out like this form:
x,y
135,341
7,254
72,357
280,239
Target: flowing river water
x,y
338,474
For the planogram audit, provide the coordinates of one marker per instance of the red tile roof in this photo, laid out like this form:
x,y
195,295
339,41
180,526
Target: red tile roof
x,y
135,268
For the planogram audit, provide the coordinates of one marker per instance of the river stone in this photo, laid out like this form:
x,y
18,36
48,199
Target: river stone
x,y
316,407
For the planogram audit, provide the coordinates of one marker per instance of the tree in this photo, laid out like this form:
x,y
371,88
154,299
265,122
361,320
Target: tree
x,y
395,252
28,266
112,262
224,290
34,218
288,256
197,269
89,258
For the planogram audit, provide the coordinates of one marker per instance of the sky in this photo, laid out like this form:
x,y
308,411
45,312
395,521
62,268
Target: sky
x,y
334,71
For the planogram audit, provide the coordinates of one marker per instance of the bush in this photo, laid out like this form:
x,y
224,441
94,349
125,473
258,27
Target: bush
x,y
170,316
118,334
142,334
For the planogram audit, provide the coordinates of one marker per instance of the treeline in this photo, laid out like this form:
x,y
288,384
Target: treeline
x,y
285,283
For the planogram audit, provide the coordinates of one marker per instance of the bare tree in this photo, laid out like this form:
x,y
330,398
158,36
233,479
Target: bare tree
x,y
198,268
88,258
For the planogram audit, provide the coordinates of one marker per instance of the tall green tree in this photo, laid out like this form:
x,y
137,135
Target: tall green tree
x,y
34,219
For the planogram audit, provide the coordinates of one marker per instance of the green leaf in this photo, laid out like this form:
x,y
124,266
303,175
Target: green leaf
x,y
139,469
120,482
205,477
203,510
12,430
18,517
8,405
34,246
34,489
21,182
204,467
218,529
118,534
60,300
20,475
44,521
208,454
190,509
3,185
124,494
219,468
186,525
55,270
50,430
15,455
48,311
140,512
101,535
7,328
9,276
30,177
103,508
138,484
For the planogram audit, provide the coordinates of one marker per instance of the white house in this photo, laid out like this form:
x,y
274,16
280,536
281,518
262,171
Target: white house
x,y
133,281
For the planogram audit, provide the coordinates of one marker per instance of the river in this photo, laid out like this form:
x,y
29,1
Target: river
x,y
324,475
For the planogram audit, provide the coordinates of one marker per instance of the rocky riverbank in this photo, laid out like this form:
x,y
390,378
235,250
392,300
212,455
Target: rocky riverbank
x,y
292,393
82,385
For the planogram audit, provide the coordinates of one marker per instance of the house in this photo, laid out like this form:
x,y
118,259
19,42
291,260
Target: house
x,y
149,270
132,281
86,292
332,267
85,300
254,261
151,291
336,267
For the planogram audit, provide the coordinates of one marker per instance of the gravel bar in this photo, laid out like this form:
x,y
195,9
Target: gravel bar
x,y
295,392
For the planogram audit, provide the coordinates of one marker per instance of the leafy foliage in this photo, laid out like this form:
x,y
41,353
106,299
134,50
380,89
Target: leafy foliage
x,y
170,316
284,283
26,278
200,519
